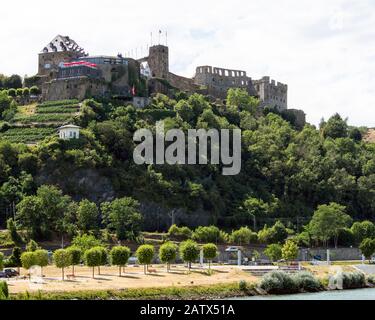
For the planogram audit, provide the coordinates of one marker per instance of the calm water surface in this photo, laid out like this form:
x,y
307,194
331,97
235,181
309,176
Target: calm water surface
x,y
359,294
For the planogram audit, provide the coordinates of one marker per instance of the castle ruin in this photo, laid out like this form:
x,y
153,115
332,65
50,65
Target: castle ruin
x,y
66,71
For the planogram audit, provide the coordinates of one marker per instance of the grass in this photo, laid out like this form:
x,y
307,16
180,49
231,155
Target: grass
x,y
168,293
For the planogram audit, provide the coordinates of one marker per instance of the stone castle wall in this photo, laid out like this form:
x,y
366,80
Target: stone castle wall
x,y
272,94
74,88
218,80
49,61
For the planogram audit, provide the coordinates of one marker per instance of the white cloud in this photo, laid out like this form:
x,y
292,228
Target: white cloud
x,y
324,51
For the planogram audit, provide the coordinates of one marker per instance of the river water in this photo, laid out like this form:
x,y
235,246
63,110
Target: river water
x,y
358,294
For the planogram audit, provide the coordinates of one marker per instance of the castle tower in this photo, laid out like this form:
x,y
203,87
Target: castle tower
x,y
158,61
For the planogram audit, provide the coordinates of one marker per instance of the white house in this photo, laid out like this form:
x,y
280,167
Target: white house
x,y
69,131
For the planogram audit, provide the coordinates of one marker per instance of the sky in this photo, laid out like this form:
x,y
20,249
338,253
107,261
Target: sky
x,y
324,50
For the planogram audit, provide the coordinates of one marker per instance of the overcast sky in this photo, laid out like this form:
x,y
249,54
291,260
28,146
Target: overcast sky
x,y
324,50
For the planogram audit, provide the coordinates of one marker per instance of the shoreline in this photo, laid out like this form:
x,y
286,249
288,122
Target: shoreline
x,y
210,292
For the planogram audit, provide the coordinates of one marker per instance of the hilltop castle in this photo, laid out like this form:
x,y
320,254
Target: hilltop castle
x,y
66,71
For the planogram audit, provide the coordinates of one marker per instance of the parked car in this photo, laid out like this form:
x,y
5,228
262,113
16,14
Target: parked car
x,y
11,273
3,274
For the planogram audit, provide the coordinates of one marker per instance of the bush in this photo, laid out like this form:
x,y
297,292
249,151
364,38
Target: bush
x,y
371,279
276,234
289,250
273,252
242,285
179,233
305,281
303,239
4,291
243,236
34,90
209,234
353,280
12,92
278,282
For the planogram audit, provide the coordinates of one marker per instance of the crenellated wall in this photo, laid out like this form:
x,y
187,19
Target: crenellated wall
x,y
271,93
219,80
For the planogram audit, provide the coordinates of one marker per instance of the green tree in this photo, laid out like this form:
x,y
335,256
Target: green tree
x,y
87,216
30,216
76,256
167,253
14,235
103,257
209,253
243,236
63,259
122,215
1,261
327,222
241,99
289,250
363,230
189,251
179,233
28,260
145,254
93,258
44,213
367,248
14,81
86,242
41,257
32,246
15,258
209,234
120,256
276,234
335,127
273,251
